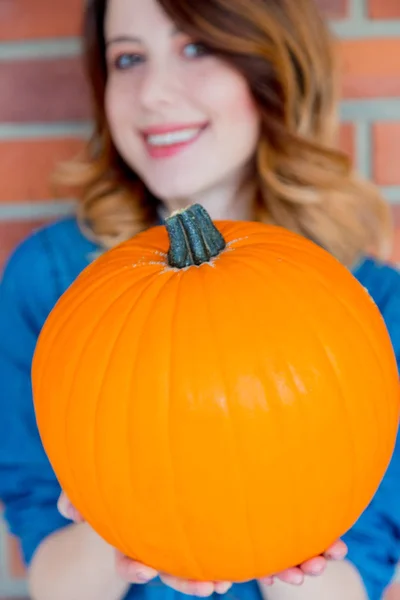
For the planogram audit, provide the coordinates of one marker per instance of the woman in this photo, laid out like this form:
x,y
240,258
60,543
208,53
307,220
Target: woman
x,y
230,104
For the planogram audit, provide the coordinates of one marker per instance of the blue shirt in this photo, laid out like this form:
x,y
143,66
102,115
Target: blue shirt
x,y
36,275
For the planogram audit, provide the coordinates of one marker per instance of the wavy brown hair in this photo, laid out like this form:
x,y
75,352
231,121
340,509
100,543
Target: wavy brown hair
x,y
284,50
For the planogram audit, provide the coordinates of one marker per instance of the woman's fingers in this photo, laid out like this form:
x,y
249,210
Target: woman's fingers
x,y
67,510
337,551
314,566
267,580
294,576
203,589
133,571
221,587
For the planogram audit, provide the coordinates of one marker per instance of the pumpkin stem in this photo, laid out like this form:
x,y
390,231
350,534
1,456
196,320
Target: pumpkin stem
x,y
193,237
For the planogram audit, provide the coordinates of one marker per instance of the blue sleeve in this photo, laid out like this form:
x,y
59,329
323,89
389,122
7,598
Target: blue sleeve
x,y
374,541
28,487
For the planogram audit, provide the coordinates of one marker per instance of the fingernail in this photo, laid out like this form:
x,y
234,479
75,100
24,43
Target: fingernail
x,y
144,576
297,579
200,591
338,555
222,588
315,568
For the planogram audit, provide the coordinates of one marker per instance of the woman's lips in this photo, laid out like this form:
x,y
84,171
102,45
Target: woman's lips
x,y
168,140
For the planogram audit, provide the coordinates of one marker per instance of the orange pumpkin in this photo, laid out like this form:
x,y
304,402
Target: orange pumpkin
x,y
219,401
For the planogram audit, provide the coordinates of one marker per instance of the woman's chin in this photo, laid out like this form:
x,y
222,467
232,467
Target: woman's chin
x,y
174,196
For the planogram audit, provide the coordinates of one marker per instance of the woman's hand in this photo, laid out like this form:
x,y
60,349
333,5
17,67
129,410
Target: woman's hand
x,y
313,567
134,572
67,510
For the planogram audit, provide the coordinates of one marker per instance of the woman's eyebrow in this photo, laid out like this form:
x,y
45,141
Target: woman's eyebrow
x,y
120,39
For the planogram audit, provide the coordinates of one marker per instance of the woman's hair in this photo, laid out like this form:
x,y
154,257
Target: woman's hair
x,y
283,49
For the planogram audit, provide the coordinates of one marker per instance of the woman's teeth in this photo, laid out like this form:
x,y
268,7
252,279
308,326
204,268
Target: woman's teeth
x,y
173,137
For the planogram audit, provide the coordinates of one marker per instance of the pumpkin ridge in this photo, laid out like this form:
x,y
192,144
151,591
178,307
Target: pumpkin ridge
x,y
81,354
112,346
356,319
243,310
57,332
344,402
328,361
173,502
179,520
261,276
214,328
51,333
131,403
321,344
322,283
346,307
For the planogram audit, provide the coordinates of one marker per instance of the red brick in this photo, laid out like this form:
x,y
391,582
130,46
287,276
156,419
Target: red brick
x,y
43,90
395,258
15,566
396,214
11,233
393,592
26,167
370,67
395,254
347,139
386,153
384,9
334,9
49,18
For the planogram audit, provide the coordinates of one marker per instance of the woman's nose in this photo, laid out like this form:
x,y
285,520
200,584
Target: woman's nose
x,y
159,87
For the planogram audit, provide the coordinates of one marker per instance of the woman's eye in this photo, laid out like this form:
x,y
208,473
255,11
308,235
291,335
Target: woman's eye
x,y
195,50
127,60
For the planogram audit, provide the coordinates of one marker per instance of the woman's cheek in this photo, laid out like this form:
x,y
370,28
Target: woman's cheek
x,y
120,99
222,91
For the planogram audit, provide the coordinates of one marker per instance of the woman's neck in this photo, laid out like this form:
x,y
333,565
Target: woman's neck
x,y
233,201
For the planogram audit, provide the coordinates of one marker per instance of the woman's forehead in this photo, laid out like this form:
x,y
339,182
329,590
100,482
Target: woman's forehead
x,y
136,18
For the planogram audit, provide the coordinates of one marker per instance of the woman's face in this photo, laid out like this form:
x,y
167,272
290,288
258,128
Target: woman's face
x,y
182,119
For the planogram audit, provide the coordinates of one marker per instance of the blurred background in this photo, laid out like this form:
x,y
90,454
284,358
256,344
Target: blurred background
x,y
45,117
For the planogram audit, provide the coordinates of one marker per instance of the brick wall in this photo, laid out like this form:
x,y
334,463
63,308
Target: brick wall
x,y
44,117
